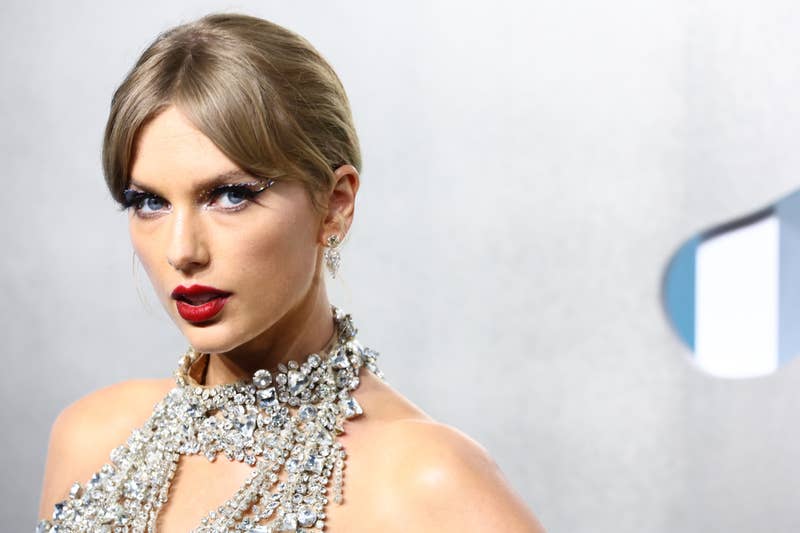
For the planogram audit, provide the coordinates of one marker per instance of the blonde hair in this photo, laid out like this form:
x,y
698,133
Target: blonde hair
x,y
263,94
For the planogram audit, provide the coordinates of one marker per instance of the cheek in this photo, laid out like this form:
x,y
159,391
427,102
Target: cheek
x,y
280,255
150,254
141,249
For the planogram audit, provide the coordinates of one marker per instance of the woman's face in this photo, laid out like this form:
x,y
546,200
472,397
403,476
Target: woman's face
x,y
192,230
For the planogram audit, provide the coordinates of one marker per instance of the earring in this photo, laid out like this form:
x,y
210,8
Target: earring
x,y
332,257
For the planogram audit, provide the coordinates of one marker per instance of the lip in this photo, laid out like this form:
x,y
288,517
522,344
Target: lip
x,y
196,290
201,311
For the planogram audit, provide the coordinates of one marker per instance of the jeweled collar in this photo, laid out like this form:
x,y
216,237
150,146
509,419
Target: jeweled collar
x,y
253,421
191,371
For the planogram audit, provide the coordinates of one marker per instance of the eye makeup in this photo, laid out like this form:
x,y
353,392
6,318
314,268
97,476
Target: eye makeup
x,y
238,195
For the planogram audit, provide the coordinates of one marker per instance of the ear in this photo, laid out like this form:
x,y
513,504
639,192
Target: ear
x,y
341,203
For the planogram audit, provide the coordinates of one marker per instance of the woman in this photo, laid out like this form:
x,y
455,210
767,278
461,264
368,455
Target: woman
x,y
231,145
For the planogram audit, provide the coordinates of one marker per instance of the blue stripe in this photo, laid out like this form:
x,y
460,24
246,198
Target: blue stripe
x,y
679,291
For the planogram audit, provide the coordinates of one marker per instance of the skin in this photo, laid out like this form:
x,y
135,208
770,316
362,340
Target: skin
x,y
404,471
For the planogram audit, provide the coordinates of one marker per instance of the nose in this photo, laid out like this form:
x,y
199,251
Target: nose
x,y
186,248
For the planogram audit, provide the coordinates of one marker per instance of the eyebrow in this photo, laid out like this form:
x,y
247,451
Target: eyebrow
x,y
205,185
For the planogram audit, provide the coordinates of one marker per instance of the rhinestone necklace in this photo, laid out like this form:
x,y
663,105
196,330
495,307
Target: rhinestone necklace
x,y
287,421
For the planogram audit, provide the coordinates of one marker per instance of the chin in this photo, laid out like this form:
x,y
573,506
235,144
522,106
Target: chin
x,y
211,338
212,345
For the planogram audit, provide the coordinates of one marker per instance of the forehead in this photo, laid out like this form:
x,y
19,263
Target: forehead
x,y
170,150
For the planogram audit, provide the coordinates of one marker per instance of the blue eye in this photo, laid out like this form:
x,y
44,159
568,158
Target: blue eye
x,y
235,195
151,203
143,203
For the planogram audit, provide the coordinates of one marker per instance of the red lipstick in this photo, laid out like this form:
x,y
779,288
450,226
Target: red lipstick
x,y
199,303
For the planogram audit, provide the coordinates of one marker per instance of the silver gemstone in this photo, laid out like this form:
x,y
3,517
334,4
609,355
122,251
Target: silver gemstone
x,y
351,407
262,379
306,516
342,379
354,347
94,482
76,491
267,397
324,437
118,455
246,422
288,524
308,412
314,463
296,381
59,510
133,490
339,360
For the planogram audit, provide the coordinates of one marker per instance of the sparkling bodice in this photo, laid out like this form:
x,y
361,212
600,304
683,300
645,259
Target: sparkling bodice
x,y
284,420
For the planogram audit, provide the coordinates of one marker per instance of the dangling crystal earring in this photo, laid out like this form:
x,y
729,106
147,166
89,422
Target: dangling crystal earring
x,y
331,255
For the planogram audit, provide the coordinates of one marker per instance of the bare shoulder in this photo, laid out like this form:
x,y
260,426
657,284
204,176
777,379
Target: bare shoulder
x,y
84,433
447,481
438,477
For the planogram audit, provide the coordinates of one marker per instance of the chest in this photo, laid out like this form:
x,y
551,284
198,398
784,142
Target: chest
x,y
200,486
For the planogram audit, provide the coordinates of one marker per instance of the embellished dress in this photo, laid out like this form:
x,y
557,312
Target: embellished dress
x,y
286,420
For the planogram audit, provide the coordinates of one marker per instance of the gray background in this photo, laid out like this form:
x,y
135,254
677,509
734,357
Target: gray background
x,y
529,169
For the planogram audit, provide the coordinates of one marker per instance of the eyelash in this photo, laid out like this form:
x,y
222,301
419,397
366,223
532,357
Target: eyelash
x,y
132,198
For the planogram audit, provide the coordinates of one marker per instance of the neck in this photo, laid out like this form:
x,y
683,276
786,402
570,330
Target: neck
x,y
307,328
